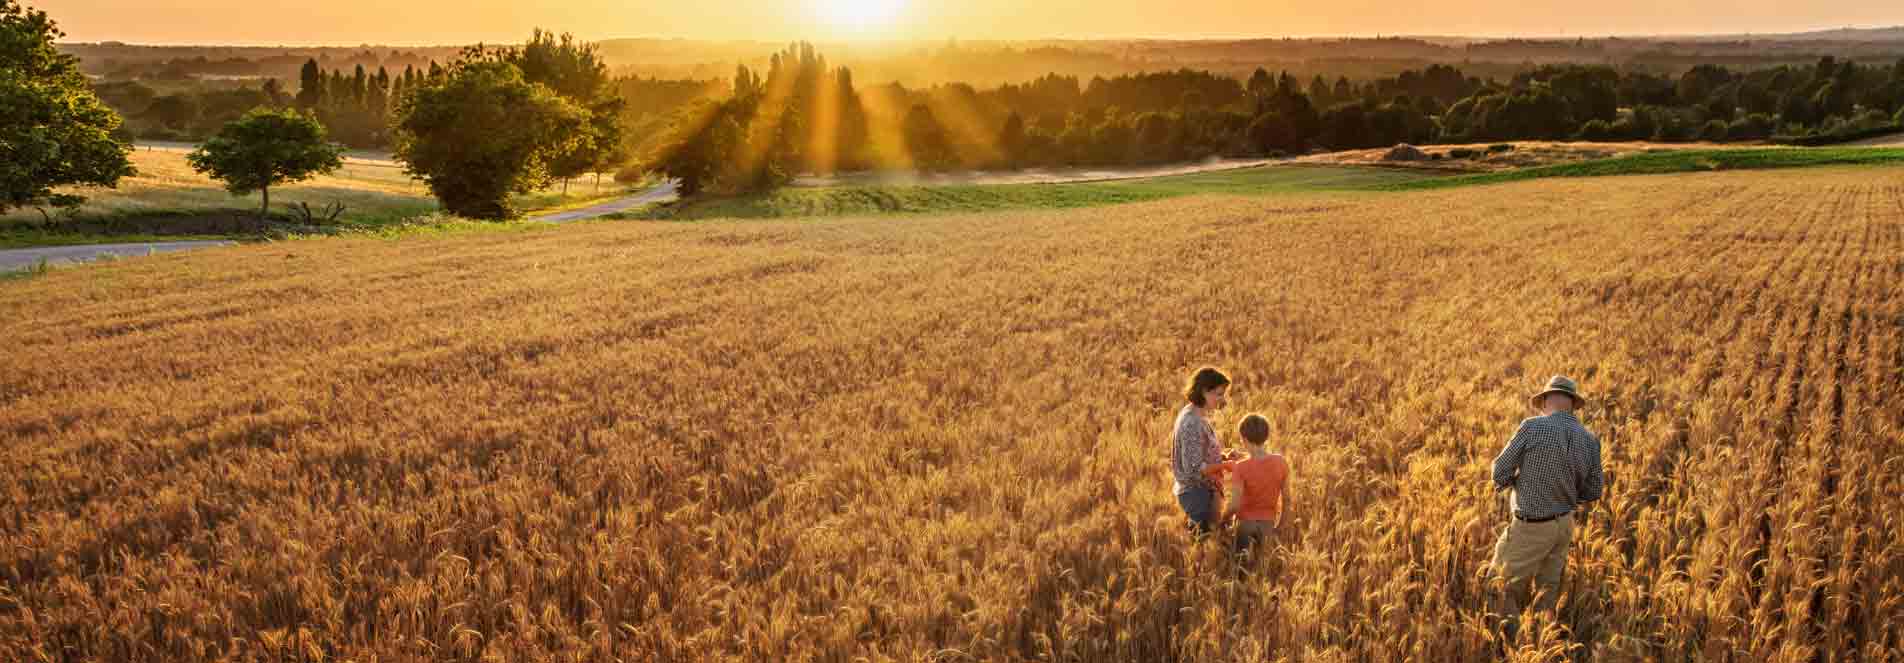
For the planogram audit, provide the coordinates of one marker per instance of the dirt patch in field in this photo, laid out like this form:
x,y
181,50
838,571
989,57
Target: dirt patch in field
x,y
1464,158
1889,140
1487,157
1026,176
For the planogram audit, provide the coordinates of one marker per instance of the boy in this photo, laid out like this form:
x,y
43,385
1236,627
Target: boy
x,y
1258,487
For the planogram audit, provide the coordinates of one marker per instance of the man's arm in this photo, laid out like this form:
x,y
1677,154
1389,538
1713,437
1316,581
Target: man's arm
x,y
1507,466
1593,482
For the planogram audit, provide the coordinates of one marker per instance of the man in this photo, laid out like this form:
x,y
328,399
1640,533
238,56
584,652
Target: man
x,y
1551,467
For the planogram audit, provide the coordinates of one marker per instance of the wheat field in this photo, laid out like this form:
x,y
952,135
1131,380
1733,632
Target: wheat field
x,y
944,438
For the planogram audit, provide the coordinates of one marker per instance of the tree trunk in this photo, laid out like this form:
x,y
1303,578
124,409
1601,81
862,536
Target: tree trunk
x,y
565,187
598,182
266,209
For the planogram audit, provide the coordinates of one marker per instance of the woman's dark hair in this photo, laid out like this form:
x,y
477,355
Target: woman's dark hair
x,y
1206,378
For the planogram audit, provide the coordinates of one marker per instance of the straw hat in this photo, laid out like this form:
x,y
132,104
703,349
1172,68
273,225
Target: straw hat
x,y
1563,385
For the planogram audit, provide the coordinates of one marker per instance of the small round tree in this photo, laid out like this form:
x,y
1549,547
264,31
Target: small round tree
x,y
481,134
266,147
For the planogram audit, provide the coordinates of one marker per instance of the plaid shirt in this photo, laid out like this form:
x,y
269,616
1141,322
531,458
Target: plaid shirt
x,y
1194,444
1552,464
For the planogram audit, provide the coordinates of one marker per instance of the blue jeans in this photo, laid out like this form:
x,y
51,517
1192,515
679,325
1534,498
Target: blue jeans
x,y
1251,535
1200,505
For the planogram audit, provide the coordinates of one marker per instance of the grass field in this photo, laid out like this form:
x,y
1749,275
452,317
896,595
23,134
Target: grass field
x,y
946,439
1680,161
851,200
1305,177
167,200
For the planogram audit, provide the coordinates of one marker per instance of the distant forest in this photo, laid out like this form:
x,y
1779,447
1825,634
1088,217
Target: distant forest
x,y
799,110
992,63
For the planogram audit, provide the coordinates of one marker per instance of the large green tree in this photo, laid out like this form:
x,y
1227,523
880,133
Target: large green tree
x,y
576,71
1011,140
699,149
53,130
926,140
481,133
266,147
1271,133
310,85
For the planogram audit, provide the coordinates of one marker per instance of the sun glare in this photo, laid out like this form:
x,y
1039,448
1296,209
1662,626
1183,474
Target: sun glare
x,y
860,15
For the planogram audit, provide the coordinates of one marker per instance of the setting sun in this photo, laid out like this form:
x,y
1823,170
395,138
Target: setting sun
x,y
859,15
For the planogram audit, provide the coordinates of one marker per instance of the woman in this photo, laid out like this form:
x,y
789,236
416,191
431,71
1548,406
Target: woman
x,y
1195,449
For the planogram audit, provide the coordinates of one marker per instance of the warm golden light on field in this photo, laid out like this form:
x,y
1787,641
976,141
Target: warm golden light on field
x,y
880,438
882,331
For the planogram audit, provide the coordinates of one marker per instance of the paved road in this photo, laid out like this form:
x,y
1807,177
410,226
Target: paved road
x,y
16,259
660,192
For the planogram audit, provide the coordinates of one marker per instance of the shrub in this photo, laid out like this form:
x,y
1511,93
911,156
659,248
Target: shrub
x,y
1640,125
1500,147
1714,131
1595,130
1757,126
631,173
1673,127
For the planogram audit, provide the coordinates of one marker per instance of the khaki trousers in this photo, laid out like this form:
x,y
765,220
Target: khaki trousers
x,y
1533,553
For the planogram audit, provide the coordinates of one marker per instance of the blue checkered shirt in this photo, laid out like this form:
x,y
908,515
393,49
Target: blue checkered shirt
x,y
1552,464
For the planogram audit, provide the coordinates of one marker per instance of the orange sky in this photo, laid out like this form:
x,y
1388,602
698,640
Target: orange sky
x,y
420,22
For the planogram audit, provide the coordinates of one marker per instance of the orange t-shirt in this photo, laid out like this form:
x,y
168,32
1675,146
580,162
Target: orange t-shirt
x,y
1263,482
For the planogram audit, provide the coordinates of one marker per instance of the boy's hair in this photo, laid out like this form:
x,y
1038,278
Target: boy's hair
x,y
1254,428
1206,378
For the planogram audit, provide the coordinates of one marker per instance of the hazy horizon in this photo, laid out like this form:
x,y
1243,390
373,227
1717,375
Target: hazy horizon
x,y
422,23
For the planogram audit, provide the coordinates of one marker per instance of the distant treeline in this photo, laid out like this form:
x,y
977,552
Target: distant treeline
x,y
991,63
356,104
802,114
119,62
805,116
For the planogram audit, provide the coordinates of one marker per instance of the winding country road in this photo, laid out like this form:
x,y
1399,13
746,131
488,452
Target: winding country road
x,y
18,259
658,193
